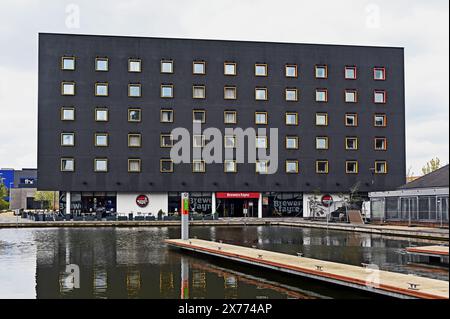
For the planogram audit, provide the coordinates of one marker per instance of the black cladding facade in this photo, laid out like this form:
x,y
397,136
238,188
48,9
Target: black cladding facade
x,y
118,50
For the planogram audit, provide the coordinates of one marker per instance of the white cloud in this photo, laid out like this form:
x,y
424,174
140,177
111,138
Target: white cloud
x,y
422,27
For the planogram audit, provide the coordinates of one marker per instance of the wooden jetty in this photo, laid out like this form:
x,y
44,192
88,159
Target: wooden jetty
x,y
367,277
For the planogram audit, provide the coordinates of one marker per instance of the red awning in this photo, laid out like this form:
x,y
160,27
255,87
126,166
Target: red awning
x,y
237,195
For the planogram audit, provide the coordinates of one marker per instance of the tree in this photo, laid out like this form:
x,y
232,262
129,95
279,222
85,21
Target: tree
x,y
45,197
433,165
3,194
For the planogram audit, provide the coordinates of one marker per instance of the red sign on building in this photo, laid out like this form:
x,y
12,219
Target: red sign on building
x,y
237,195
142,201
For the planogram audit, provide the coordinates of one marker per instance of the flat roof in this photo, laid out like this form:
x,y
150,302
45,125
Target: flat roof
x,y
220,40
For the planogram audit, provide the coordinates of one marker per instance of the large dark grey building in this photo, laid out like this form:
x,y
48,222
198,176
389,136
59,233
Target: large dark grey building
x,y
107,107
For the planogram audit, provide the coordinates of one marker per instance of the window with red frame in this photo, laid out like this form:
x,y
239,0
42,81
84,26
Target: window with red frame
x,y
379,74
350,73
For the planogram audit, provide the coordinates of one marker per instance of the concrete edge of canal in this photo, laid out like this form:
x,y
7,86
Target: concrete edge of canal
x,y
424,233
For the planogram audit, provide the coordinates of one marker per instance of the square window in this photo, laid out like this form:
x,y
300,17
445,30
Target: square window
x,y
291,95
198,166
67,164
291,118
134,140
134,165
134,90
199,68
68,88
261,142
322,167
134,65
261,118
230,93
230,117
166,116
229,68
321,119
101,139
380,143
380,120
101,89
198,116
379,74
166,66
262,167
291,142
198,141
380,167
321,95
350,72
261,69
379,97
101,64
167,91
351,167
230,166
351,143
321,72
261,94
101,115
67,114
322,143
198,92
134,115
292,167
291,71
351,96
100,165
351,119
166,166
230,141
68,63
67,139
166,140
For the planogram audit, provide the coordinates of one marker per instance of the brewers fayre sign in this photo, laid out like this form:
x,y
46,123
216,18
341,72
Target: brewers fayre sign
x,y
142,201
237,195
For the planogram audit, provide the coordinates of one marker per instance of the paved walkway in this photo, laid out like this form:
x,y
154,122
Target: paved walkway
x,y
8,220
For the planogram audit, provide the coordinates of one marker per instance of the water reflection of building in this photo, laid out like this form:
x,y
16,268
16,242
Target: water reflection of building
x,y
133,283
166,284
230,285
199,283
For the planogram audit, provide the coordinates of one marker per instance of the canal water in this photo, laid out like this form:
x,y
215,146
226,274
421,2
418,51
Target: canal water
x,y
136,263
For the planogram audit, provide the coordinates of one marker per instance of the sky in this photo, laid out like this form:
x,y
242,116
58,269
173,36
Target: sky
x,y
420,26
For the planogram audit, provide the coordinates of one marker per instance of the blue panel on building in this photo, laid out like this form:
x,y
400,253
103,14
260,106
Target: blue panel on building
x,y
7,178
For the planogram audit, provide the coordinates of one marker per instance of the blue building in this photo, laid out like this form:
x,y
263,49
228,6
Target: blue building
x,y
7,179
